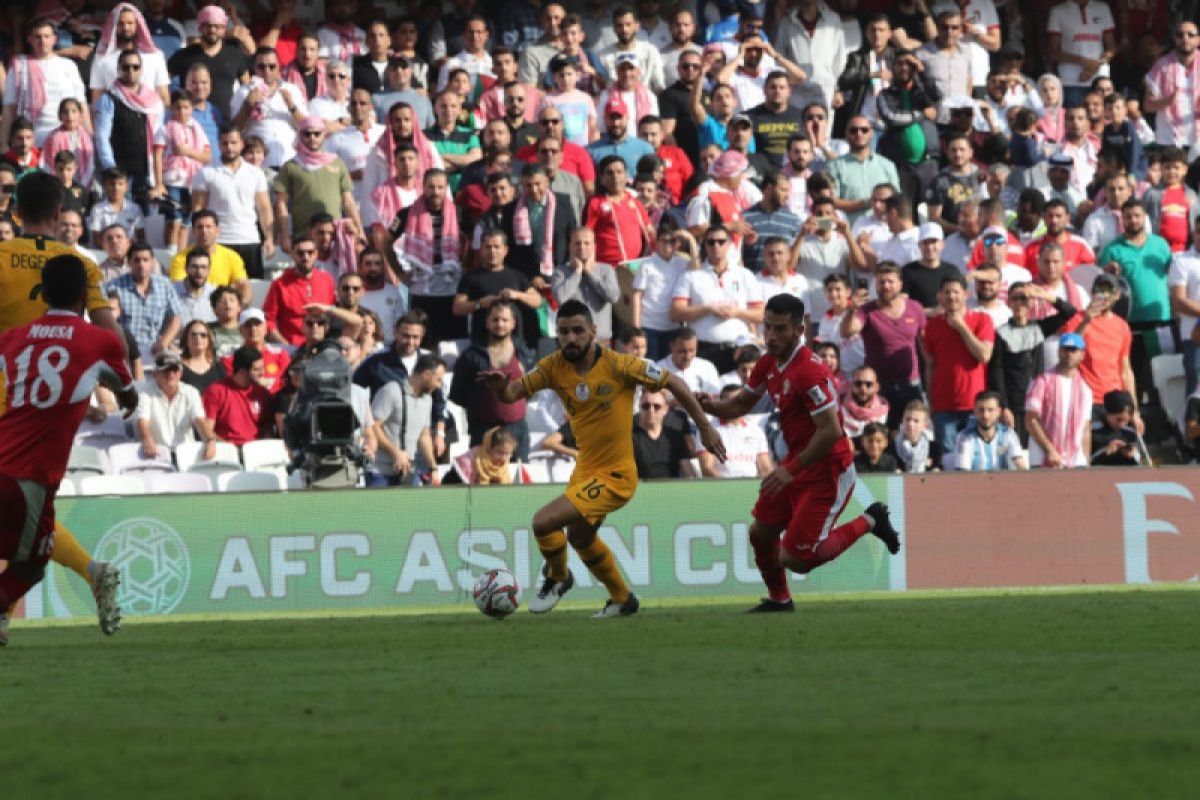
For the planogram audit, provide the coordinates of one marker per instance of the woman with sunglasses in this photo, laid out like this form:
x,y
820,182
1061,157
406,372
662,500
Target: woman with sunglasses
x,y
198,357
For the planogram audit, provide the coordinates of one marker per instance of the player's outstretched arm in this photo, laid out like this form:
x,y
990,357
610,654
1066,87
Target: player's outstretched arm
x,y
736,405
708,434
498,384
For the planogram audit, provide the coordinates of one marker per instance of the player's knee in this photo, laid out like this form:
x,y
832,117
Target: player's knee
x,y
581,537
759,533
544,524
795,563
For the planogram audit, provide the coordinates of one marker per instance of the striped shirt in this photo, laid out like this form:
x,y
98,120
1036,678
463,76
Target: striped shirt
x,y
1063,404
766,224
973,454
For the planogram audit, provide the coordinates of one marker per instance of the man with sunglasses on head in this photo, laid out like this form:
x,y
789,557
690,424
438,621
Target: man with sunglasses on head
x,y
298,287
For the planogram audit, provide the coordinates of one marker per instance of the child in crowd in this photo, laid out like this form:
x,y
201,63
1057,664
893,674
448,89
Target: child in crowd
x,y
915,446
71,137
1114,440
187,150
831,356
116,207
872,453
77,197
7,230
580,125
255,152
1025,146
837,295
1173,207
1120,135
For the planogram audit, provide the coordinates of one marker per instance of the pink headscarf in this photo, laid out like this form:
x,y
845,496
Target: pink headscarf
x,y
212,15
388,201
293,75
143,100
418,232
730,164
425,149
180,170
30,82
108,37
523,229
311,159
78,142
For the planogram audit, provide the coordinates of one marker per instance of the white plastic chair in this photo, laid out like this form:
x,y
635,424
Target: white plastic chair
x,y
1167,371
538,470
94,485
257,481
102,435
85,460
451,350
460,422
66,488
258,291
188,454
130,459
264,454
176,483
296,481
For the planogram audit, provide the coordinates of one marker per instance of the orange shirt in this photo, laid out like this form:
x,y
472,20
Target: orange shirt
x,y
1108,339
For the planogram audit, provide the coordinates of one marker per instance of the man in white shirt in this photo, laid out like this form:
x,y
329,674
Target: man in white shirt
x,y
698,373
824,250
722,303
1105,223
625,26
270,108
747,454
389,301
353,143
959,246
339,37
126,28
821,54
237,192
1081,40
58,78
905,246
474,56
169,411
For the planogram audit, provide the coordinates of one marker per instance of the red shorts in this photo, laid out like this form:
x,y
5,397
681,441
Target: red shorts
x,y
26,521
807,510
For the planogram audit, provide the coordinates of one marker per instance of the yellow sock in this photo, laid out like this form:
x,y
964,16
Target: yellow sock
x,y
70,553
554,549
599,559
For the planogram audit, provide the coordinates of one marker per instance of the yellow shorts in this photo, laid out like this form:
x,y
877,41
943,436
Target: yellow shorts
x,y
598,494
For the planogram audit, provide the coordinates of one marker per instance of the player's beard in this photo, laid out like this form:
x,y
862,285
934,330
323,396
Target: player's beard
x,y
576,353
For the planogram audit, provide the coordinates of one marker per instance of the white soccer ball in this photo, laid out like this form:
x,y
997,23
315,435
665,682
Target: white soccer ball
x,y
497,593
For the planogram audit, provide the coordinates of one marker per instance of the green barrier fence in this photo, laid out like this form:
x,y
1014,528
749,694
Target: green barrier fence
x,y
314,551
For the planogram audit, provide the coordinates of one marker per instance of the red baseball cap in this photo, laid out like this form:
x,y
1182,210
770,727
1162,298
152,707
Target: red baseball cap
x,y
616,105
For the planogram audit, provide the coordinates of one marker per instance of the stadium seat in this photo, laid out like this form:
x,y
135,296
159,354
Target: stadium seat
x,y
102,435
538,471
258,291
1085,275
130,459
257,481
94,485
450,351
1169,381
188,453
176,483
265,454
460,422
66,487
85,460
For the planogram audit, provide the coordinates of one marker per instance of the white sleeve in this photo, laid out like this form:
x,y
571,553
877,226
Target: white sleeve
x,y
683,287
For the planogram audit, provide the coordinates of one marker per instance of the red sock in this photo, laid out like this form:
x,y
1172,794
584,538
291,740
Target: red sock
x,y
766,558
839,540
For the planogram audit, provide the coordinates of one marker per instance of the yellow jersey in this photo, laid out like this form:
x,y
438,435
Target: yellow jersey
x,y
599,405
225,266
21,261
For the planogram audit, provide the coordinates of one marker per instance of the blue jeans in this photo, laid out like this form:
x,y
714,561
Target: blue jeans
x,y
946,425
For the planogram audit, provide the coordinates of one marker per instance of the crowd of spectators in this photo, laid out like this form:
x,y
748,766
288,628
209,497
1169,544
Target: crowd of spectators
x,y
988,207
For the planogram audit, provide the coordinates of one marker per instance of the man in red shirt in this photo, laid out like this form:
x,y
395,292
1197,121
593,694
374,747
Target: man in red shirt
x,y
238,406
1173,207
50,367
299,286
677,167
617,217
804,496
1075,250
1106,366
575,159
252,324
958,346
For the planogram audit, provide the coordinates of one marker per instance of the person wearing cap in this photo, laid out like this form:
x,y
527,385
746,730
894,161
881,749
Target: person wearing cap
x,y
811,36
859,171
723,198
923,277
1106,366
628,86
947,60
169,411
227,59
252,326
269,108
313,182
993,215
616,138
1058,410
957,345
625,27
995,243
960,180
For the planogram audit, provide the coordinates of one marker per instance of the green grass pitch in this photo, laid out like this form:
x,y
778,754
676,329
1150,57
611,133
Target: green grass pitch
x,y
1006,695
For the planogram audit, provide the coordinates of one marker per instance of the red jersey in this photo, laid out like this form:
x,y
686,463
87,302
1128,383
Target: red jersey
x,y
622,227
576,160
1075,248
800,387
238,413
289,293
957,375
50,366
1173,220
1016,253
677,171
275,363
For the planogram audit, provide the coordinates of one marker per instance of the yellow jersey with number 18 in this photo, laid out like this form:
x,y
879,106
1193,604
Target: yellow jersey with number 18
x,y
599,405
21,261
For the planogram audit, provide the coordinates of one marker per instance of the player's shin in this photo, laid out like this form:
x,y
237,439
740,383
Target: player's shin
x,y
766,558
836,543
599,559
70,553
553,547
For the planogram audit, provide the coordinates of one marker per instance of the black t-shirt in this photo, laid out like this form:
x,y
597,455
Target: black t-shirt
x,y
773,129
950,191
659,458
675,102
484,282
224,68
922,283
887,463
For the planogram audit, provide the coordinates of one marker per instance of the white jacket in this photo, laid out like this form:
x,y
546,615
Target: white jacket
x,y
822,56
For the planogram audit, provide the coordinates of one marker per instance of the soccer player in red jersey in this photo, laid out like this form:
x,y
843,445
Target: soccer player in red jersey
x,y
50,367
803,497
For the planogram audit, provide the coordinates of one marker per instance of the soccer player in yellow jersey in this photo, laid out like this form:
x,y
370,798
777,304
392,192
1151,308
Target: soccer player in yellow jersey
x,y
596,386
39,200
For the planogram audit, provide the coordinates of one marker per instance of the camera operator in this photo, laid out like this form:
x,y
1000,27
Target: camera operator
x,y
402,412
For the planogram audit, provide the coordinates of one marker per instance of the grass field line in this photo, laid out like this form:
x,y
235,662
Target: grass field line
x,y
649,604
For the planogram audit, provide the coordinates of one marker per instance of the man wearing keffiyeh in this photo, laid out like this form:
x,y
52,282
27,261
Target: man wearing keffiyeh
x,y
124,29
38,82
129,130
